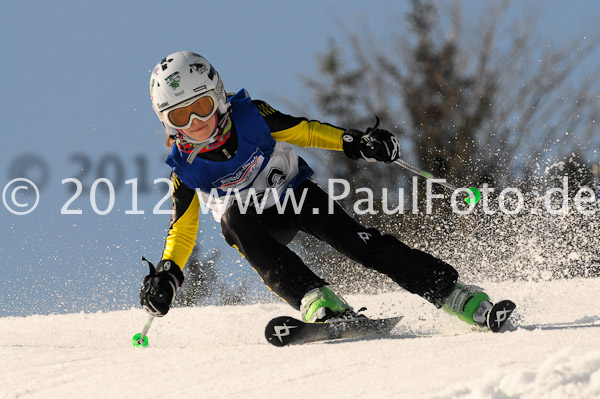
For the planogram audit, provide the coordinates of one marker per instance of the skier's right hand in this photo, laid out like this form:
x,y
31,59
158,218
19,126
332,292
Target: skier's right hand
x,y
158,291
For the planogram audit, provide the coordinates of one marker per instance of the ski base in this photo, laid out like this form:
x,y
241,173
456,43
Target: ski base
x,y
286,330
499,315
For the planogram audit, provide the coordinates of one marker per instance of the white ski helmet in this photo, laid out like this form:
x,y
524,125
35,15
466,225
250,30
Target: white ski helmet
x,y
181,77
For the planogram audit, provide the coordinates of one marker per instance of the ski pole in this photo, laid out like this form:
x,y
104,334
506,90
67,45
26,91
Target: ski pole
x,y
428,175
141,339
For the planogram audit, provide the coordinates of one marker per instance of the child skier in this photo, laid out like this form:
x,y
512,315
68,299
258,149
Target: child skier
x,y
221,143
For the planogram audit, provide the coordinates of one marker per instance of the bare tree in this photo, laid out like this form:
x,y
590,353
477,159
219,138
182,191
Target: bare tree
x,y
471,103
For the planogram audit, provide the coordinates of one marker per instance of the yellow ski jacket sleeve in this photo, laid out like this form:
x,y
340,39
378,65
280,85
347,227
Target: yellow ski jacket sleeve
x,y
300,131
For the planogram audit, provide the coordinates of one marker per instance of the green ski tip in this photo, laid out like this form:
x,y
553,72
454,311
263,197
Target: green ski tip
x,y
136,340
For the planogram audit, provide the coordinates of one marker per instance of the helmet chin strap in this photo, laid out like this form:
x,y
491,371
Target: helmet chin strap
x,y
203,143
200,144
213,136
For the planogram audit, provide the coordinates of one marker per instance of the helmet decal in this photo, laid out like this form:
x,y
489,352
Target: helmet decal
x,y
198,67
164,62
173,80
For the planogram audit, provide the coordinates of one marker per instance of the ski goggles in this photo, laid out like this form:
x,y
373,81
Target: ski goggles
x,y
202,107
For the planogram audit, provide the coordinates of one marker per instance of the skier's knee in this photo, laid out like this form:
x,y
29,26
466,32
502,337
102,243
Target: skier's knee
x,y
232,222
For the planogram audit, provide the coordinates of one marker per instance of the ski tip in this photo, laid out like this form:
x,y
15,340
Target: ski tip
x,y
281,330
499,315
393,321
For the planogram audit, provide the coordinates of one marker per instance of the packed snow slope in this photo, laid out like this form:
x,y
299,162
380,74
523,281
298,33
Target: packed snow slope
x,y
220,352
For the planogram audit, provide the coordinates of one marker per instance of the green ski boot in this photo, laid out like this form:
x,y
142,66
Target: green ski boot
x,y
469,303
322,304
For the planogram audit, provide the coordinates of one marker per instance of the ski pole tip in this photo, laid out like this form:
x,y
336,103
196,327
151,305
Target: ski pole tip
x,y
476,193
137,340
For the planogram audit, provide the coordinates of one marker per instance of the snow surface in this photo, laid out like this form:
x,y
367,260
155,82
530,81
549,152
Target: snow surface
x,y
220,352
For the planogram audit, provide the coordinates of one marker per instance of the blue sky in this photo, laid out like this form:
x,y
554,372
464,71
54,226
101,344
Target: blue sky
x,y
75,95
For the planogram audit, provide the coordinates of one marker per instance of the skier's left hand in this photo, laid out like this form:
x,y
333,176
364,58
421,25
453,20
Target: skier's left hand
x,y
372,145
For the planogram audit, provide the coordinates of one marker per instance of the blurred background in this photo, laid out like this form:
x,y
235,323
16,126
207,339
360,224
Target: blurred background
x,y
503,93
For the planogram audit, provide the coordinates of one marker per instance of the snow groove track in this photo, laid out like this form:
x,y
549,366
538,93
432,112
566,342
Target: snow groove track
x,y
220,352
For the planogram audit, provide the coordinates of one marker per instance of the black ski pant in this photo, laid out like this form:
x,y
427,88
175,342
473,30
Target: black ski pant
x,y
263,238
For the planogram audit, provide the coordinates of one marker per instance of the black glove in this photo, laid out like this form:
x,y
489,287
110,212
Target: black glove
x,y
158,291
372,145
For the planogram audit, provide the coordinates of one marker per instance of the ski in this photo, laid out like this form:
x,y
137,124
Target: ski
x,y
499,315
286,330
